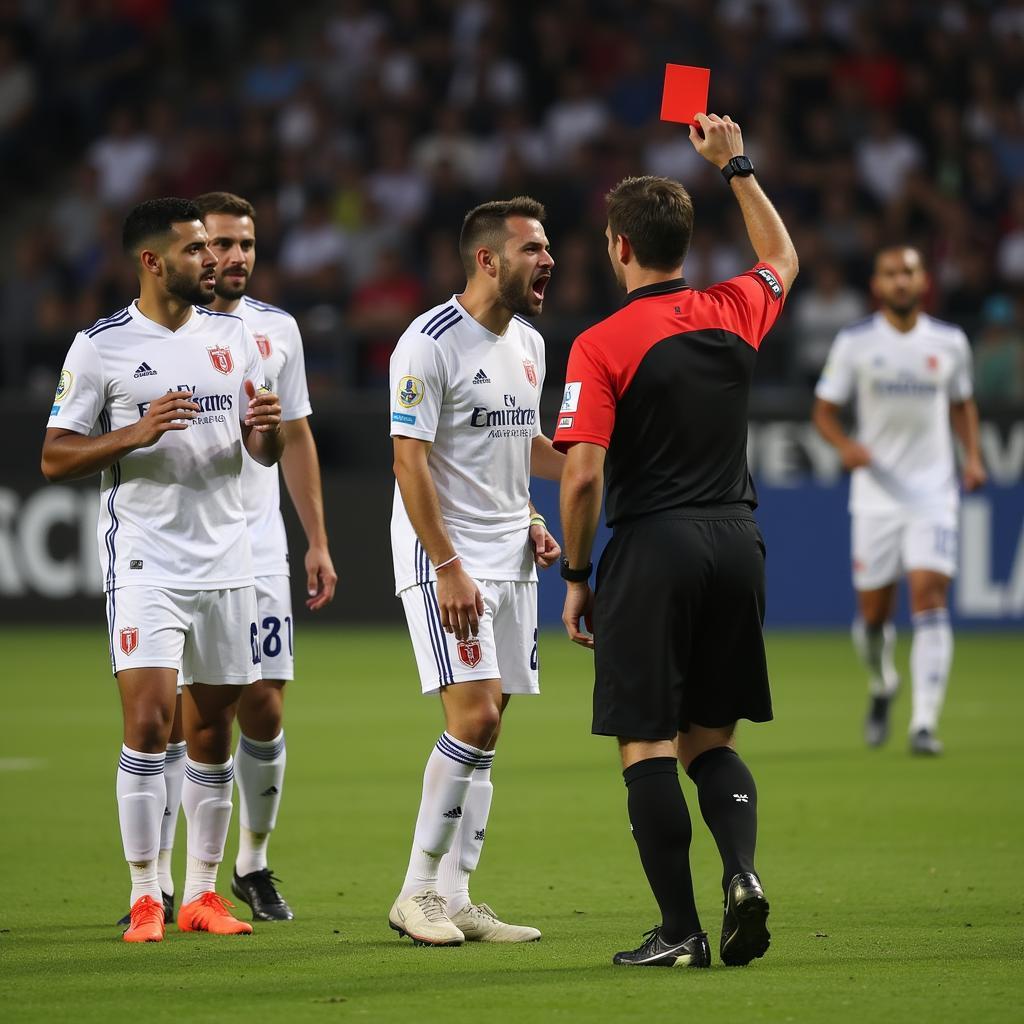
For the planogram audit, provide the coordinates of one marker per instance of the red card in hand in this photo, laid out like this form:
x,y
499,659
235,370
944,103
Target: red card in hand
x,y
685,94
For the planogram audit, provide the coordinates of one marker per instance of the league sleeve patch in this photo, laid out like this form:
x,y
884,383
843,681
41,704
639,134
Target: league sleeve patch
x,y
67,378
564,422
771,282
410,392
571,398
403,417
55,410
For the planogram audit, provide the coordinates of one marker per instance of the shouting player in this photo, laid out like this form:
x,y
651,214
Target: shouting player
x,y
161,398
911,377
466,380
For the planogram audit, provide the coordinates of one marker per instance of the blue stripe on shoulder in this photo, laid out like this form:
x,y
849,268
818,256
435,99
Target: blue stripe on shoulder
x,y
264,307
446,326
213,312
106,325
436,319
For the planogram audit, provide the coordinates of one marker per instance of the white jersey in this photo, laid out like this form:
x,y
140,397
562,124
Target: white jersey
x,y
476,396
171,514
904,384
279,342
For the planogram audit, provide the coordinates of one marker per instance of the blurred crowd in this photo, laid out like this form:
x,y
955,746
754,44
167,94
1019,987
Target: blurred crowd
x,y
363,132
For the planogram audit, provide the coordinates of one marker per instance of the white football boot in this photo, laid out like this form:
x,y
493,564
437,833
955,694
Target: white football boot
x,y
422,917
479,924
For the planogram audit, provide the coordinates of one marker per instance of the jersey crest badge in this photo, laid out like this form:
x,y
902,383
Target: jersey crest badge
x,y
932,362
129,639
469,653
221,359
531,371
410,392
263,344
63,385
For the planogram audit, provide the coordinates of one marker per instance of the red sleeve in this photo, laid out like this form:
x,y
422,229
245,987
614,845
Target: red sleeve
x,y
753,301
588,404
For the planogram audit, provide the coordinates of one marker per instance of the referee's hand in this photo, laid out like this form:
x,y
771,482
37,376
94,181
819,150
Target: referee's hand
x,y
579,609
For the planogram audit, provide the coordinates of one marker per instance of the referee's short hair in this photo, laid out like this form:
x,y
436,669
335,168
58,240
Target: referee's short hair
x,y
656,215
225,202
155,217
485,225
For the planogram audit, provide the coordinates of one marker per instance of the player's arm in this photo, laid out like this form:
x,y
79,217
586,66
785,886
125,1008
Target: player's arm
x,y
580,502
261,429
825,418
963,418
721,141
301,468
458,597
69,455
545,461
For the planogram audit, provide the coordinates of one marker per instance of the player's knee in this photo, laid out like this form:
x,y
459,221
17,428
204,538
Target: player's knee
x,y
479,725
147,730
261,712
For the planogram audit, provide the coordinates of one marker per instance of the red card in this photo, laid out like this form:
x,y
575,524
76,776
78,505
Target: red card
x,y
685,94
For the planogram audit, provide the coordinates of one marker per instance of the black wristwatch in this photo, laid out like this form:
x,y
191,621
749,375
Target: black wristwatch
x,y
575,575
740,165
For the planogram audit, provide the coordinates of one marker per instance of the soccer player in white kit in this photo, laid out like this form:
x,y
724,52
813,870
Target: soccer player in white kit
x,y
911,377
466,380
260,756
161,398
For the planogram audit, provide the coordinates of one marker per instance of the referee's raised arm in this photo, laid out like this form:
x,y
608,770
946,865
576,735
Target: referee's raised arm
x,y
722,145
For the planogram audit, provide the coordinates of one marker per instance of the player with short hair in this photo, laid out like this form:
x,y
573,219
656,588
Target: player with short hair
x,y
466,381
911,377
161,398
260,757
658,391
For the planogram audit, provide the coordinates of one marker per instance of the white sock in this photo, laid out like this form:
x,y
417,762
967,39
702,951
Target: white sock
x,y
931,656
442,804
206,799
174,776
140,806
259,772
464,856
876,646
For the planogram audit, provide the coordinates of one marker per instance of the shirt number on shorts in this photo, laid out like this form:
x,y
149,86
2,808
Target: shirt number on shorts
x,y
272,639
533,654
945,541
254,642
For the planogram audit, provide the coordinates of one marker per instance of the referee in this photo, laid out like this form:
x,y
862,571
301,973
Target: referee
x,y
656,402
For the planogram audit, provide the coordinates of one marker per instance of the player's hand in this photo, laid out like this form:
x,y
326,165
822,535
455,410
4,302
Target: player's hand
x,y
320,578
173,411
460,602
264,412
545,548
975,475
854,455
579,607
717,139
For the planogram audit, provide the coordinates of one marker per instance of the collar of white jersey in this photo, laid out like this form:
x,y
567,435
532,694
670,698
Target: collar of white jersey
x,y
471,324
915,332
141,320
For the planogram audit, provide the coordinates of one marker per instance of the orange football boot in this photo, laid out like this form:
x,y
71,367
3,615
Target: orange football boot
x,y
147,921
209,913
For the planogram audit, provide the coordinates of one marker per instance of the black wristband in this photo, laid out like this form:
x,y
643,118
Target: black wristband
x,y
575,575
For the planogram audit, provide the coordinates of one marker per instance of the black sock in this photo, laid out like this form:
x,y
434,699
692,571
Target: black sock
x,y
728,801
661,828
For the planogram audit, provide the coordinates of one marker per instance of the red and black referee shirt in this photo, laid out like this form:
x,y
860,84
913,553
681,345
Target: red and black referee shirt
x,y
663,385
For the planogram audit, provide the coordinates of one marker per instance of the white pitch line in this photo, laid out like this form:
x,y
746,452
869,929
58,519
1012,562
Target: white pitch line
x,y
21,764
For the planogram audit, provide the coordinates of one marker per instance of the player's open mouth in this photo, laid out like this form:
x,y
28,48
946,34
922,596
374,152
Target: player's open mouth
x,y
539,285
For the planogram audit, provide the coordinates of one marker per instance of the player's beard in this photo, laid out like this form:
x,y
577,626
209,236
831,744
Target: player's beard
x,y
231,289
906,307
514,294
187,289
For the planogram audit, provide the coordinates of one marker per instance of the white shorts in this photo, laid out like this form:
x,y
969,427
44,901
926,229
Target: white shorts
x,y
210,636
886,546
274,600
505,648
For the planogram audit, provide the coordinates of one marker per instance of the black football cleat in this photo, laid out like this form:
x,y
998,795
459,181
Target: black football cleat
x,y
745,934
656,952
168,901
876,724
258,890
925,742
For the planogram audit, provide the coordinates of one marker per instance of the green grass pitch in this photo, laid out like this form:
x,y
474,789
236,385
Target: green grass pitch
x,y
895,883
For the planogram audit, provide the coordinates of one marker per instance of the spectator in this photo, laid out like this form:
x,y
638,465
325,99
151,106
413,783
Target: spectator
x,y
123,159
819,312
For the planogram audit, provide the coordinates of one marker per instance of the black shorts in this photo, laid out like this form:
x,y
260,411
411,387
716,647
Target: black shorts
x,y
678,613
